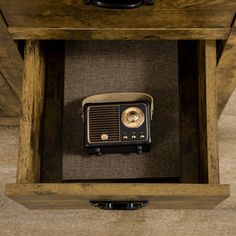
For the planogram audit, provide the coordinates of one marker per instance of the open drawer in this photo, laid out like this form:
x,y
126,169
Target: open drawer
x,y
39,183
159,196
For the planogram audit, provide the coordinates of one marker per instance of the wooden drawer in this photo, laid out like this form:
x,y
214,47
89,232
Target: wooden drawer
x,y
39,182
160,196
166,19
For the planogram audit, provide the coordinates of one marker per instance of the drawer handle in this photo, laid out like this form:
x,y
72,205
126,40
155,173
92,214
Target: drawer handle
x,y
119,4
120,205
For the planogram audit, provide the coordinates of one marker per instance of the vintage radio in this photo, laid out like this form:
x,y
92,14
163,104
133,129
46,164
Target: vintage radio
x,y
117,123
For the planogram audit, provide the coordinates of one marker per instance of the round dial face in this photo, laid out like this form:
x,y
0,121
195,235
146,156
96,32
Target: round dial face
x,y
133,117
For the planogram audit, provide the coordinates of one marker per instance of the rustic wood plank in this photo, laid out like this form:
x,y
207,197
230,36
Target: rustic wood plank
x,y
208,126
51,164
9,121
11,63
188,92
226,70
163,196
74,20
211,109
53,6
28,169
9,103
32,16
119,33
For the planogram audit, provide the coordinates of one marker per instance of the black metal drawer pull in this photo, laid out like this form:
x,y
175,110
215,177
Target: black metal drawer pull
x,y
119,4
119,205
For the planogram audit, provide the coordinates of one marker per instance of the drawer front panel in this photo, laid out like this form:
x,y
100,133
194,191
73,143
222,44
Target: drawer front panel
x,y
162,196
122,19
75,5
166,19
74,14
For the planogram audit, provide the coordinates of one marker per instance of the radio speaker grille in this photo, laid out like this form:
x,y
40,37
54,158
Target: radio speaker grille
x,y
104,124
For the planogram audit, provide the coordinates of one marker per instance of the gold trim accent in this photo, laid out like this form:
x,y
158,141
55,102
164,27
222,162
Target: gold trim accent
x,y
133,117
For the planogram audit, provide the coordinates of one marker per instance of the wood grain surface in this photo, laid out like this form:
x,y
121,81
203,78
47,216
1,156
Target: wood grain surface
x,y
71,196
33,17
75,5
164,20
28,170
83,19
74,14
208,127
11,63
119,33
68,19
226,70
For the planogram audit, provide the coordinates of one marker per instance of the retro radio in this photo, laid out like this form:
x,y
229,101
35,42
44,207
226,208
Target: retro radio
x,y
117,123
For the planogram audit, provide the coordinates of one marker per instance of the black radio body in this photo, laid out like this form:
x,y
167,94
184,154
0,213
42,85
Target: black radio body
x,y
122,127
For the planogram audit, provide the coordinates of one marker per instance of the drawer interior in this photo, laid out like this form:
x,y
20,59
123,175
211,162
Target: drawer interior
x,y
97,67
168,70
40,183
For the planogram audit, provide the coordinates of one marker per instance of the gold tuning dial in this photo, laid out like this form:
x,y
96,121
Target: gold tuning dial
x,y
133,117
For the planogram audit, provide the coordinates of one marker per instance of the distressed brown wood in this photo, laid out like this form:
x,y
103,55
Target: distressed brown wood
x,y
163,196
209,159
35,14
226,70
119,33
28,169
9,103
188,92
9,121
51,161
180,19
53,6
11,63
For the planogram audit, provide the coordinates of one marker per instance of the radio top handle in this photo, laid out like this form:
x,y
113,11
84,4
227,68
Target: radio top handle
x,y
119,97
